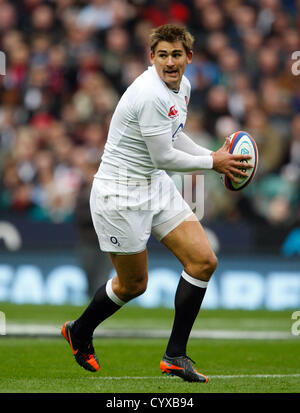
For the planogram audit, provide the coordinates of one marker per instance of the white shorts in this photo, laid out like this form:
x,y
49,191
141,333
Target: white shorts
x,y
125,215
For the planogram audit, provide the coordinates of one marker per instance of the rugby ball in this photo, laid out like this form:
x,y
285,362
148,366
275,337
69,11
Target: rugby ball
x,y
241,143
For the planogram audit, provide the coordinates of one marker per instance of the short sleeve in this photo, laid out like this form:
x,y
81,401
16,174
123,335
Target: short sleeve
x,y
153,118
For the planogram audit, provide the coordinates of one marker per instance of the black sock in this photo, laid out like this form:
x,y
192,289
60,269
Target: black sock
x,y
188,300
100,308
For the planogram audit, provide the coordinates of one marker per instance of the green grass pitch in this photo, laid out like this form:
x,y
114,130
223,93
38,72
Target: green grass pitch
x,y
131,365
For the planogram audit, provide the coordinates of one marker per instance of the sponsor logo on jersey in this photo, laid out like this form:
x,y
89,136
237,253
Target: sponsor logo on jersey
x,y
114,241
177,130
173,112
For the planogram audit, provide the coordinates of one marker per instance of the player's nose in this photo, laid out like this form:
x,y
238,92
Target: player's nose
x,y
170,61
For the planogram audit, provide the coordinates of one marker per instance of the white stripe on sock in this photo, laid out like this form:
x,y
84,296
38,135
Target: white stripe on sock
x,y
112,295
194,281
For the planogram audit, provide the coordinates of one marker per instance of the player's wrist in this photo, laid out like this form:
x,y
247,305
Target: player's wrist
x,y
213,159
206,162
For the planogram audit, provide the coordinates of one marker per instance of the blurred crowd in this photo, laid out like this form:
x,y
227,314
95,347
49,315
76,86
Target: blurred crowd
x,y
69,61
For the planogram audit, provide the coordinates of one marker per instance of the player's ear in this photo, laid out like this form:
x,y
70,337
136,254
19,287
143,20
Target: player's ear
x,y
151,56
189,57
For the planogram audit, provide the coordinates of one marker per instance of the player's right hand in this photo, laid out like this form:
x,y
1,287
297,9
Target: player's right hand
x,y
229,164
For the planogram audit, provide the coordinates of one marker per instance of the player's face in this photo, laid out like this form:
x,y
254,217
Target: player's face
x,y
170,60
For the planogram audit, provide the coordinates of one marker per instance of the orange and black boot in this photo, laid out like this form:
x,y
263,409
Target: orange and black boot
x,y
83,351
181,366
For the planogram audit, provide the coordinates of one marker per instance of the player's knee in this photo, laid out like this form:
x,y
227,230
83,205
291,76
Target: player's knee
x,y
209,266
140,288
204,269
133,289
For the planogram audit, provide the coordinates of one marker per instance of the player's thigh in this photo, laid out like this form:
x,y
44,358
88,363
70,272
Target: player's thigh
x,y
189,243
131,269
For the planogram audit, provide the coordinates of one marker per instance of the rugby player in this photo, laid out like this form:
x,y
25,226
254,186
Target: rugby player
x,y
145,140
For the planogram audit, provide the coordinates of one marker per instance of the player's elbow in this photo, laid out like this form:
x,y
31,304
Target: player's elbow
x,y
163,162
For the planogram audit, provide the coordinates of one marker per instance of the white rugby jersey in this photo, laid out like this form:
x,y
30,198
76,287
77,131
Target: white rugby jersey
x,y
147,108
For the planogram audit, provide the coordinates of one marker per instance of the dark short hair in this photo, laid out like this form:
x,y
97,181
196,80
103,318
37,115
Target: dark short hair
x,y
171,33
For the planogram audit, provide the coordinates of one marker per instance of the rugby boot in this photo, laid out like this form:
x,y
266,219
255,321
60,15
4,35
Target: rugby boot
x,y
182,367
83,351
